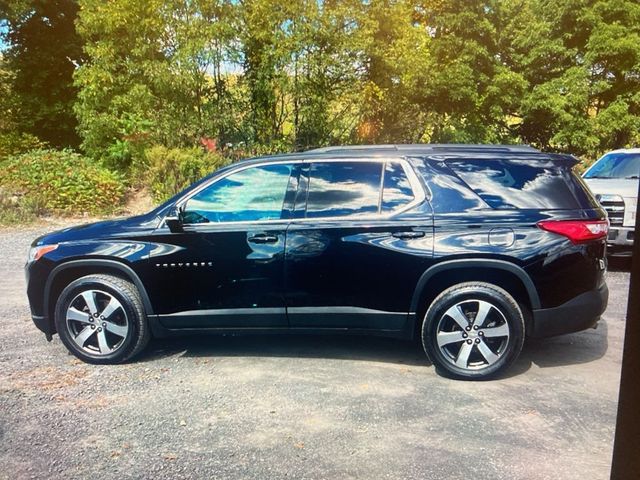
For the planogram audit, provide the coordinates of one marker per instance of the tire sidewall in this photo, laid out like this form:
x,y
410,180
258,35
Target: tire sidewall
x,y
70,293
497,297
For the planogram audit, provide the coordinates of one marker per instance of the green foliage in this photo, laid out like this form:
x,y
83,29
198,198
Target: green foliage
x,y
17,210
43,50
264,76
581,59
14,143
153,76
61,182
170,170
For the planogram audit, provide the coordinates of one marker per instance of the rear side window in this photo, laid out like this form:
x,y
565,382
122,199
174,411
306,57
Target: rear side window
x,y
506,184
339,189
397,191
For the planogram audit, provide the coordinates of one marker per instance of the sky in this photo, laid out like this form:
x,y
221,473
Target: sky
x,y
3,30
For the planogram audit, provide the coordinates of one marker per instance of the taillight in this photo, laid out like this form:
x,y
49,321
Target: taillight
x,y
578,231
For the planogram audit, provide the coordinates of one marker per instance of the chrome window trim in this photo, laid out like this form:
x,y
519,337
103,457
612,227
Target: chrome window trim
x,y
416,187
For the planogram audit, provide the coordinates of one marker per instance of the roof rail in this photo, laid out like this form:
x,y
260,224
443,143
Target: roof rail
x,y
428,148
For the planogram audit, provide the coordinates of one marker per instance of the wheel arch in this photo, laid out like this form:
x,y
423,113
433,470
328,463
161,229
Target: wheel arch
x,y
443,275
69,271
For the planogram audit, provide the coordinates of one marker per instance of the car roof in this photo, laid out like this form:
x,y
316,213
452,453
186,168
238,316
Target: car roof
x,y
440,152
625,150
427,148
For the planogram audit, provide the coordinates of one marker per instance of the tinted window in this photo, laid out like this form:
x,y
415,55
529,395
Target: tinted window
x,y
338,189
255,193
397,189
616,165
519,184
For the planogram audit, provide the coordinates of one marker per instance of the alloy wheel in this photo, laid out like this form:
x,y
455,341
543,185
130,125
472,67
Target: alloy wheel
x,y
97,322
472,334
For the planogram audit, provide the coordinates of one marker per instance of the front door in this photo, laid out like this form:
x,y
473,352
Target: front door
x,y
225,270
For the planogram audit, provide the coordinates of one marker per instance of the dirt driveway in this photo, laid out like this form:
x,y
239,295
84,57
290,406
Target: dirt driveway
x,y
300,407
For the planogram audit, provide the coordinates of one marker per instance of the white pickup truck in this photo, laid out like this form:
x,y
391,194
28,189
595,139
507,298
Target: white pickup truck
x,y
614,180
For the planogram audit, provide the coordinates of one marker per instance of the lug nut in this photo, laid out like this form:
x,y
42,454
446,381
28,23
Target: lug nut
x,y
477,340
476,327
464,335
467,329
95,315
104,324
101,317
99,329
481,334
93,327
469,341
91,319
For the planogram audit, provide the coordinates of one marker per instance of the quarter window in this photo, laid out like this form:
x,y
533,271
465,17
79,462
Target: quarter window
x,y
255,193
397,188
340,189
508,184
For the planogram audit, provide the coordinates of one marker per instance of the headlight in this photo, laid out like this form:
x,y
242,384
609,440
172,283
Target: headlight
x,y
631,207
36,252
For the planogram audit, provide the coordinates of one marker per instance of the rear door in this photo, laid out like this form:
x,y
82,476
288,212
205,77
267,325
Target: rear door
x,y
350,249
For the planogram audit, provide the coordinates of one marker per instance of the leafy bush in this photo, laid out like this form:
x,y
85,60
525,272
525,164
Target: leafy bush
x,y
169,170
13,143
16,209
61,182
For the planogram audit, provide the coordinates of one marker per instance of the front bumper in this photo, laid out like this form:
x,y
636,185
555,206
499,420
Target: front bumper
x,y
44,325
36,274
577,314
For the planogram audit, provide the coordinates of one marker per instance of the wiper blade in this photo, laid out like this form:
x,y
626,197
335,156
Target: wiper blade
x,y
633,177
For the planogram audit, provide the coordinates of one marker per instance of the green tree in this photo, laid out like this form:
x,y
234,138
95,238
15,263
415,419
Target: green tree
x,y
6,80
469,91
43,52
154,74
325,66
580,59
265,32
612,55
397,59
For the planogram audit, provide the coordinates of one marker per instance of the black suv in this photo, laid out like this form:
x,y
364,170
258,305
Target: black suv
x,y
469,248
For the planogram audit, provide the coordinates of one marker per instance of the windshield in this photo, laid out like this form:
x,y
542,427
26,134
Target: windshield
x,y
616,165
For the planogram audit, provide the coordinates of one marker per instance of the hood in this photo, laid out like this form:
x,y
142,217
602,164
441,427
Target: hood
x,y
116,228
613,186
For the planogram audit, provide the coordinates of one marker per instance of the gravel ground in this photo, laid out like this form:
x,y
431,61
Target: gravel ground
x,y
300,407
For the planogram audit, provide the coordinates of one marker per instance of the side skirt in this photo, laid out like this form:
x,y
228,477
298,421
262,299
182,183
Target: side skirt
x,y
160,331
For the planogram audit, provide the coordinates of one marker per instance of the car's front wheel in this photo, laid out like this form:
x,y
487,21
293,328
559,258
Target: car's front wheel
x,y
473,330
100,319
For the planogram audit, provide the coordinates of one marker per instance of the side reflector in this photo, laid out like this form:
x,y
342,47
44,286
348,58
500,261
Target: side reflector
x,y
36,252
578,231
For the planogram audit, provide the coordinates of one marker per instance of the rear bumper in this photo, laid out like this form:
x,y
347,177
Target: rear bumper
x,y
577,314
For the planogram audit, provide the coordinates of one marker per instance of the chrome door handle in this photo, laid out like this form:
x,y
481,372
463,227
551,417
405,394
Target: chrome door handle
x,y
263,238
408,234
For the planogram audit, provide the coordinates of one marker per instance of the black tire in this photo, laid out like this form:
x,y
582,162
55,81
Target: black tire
x,y
470,353
128,319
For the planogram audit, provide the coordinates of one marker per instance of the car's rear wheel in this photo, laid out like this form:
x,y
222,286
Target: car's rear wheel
x,y
100,319
473,330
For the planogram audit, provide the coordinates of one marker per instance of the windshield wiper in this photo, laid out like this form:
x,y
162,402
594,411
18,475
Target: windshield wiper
x,y
633,177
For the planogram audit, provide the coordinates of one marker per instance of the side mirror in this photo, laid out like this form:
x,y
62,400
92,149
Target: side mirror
x,y
174,221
